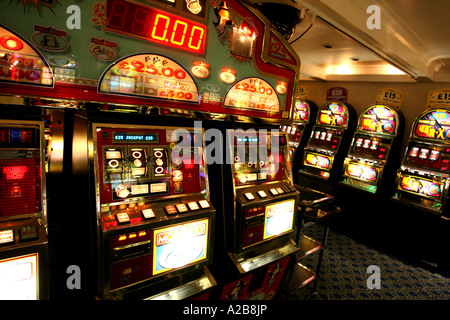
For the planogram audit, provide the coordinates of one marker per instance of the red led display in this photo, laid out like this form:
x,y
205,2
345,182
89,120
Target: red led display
x,y
157,26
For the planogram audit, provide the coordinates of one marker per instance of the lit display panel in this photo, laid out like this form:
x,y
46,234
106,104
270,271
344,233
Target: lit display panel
x,y
379,119
19,278
279,218
421,186
333,114
136,20
180,245
362,172
318,161
433,125
253,93
301,111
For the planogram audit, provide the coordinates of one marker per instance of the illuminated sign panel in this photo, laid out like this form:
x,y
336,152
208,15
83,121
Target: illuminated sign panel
x,y
180,245
279,218
20,62
157,26
380,119
333,114
149,75
253,93
362,172
434,124
318,161
19,278
301,111
421,186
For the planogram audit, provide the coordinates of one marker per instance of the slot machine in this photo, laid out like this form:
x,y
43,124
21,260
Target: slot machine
x,y
368,164
304,111
324,154
147,69
23,211
259,214
423,177
153,210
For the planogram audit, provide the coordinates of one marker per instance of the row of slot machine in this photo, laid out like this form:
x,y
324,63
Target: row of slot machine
x,y
369,178
336,154
145,162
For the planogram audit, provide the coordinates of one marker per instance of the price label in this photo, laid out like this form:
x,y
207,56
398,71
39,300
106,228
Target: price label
x,y
439,98
390,97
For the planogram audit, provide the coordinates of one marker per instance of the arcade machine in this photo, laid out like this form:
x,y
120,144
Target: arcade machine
x,y
423,178
300,129
421,195
23,212
368,166
323,156
260,206
146,69
153,211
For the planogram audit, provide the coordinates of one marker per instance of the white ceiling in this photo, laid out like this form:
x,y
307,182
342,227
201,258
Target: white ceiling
x,y
412,43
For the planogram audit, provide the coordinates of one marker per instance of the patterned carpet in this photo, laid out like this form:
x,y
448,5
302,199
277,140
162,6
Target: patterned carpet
x,y
344,274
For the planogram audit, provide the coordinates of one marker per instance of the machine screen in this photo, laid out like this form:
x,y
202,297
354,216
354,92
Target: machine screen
x,y
430,156
19,278
379,119
138,163
421,186
279,218
362,172
259,157
318,160
179,245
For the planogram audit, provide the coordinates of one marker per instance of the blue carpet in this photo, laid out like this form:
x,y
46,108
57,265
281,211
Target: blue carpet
x,y
344,274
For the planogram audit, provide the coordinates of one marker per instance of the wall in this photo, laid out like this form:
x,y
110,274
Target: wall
x,y
363,94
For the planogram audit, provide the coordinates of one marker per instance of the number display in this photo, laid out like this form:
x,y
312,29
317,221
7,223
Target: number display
x,y
140,21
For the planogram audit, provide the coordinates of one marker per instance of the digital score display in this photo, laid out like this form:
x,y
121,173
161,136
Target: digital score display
x,y
140,21
121,137
180,245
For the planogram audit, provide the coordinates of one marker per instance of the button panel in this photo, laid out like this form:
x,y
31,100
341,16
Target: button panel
x,y
122,218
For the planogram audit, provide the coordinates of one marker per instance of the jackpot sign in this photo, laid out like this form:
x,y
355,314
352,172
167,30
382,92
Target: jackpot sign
x,y
149,75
